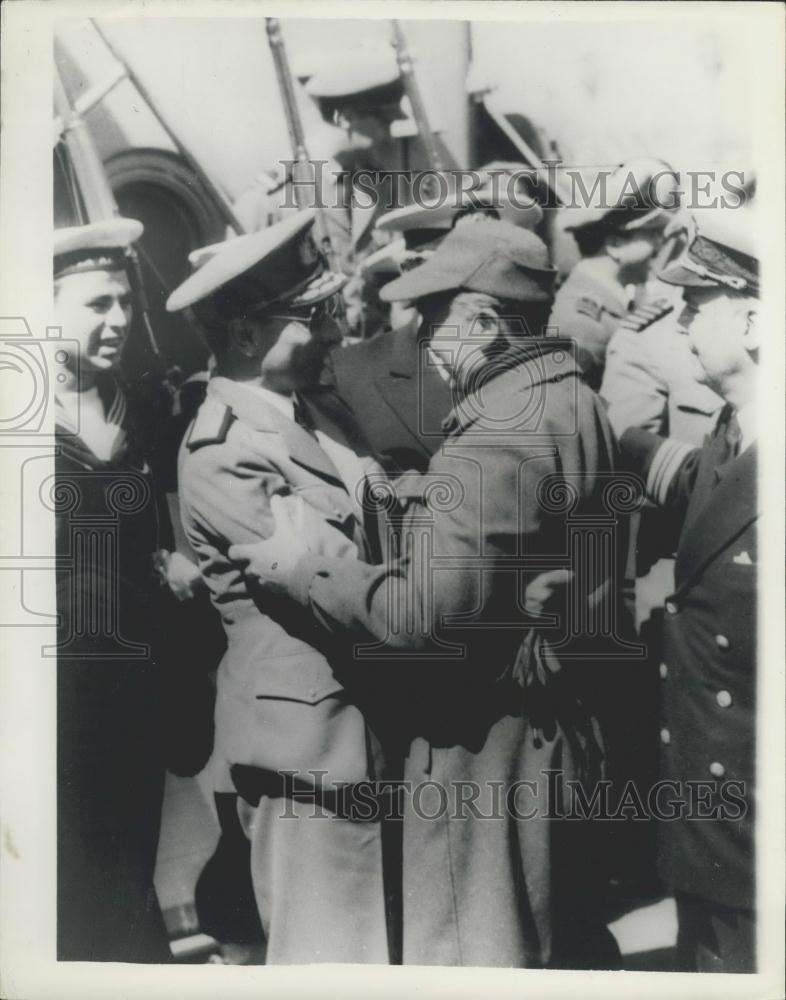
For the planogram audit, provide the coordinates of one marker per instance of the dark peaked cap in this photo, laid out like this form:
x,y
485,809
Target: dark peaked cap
x,y
486,255
249,274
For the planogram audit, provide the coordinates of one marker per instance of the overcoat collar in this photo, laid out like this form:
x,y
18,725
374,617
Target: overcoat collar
x,y
538,361
413,390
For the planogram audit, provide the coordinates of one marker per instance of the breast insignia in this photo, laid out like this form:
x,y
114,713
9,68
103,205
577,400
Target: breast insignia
x,y
646,315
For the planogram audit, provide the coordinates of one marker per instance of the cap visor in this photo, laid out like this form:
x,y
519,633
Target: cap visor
x,y
384,260
424,280
234,257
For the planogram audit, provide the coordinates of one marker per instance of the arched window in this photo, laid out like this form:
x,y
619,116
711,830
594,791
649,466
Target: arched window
x,y
158,188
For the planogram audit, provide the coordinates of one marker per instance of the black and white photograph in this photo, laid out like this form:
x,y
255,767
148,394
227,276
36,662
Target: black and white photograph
x,y
392,479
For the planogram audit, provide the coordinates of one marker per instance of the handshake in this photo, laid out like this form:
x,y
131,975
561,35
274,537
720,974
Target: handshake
x,y
299,530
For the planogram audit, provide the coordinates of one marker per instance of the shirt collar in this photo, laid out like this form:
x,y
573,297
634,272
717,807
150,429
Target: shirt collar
x,y
284,404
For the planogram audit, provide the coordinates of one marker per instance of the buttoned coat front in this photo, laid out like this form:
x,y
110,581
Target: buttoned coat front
x,y
708,674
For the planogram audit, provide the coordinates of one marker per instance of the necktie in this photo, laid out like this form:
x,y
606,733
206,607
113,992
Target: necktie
x,y
732,437
302,416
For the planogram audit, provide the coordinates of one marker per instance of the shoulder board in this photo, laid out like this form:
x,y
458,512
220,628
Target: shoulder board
x,y
646,315
589,307
210,425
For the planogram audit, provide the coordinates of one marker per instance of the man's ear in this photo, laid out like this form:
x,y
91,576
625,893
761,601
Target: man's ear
x,y
241,335
751,337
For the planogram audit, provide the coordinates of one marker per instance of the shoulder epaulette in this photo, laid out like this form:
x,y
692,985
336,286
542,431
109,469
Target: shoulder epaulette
x,y
646,315
210,425
588,306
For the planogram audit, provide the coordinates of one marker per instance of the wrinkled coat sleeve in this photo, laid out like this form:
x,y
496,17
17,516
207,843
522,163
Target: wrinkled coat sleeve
x,y
403,602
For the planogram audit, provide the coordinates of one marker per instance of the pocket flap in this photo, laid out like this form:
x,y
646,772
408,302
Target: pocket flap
x,y
301,677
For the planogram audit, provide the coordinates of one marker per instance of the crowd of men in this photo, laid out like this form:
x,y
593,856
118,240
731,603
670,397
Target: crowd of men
x,y
486,554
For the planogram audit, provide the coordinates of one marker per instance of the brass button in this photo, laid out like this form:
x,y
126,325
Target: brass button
x,y
717,770
723,698
664,671
722,642
671,608
665,737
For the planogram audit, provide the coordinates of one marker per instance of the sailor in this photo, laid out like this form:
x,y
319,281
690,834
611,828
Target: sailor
x,y
110,759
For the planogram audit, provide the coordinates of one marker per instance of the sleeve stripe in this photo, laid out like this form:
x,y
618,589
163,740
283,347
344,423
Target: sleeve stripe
x,y
663,468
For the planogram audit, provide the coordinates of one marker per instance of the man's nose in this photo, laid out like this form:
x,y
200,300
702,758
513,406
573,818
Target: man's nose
x,y
117,317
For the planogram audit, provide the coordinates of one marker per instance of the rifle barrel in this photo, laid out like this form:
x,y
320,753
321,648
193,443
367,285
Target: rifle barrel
x,y
407,70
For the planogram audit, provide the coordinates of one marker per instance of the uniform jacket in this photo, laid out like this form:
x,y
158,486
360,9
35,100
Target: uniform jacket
x,y
485,893
708,674
400,400
588,311
280,705
648,381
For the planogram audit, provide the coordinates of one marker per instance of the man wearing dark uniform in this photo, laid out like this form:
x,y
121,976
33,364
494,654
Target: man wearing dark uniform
x,y
110,760
708,673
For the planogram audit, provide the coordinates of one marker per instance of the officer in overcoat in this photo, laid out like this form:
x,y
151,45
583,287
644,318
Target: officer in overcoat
x,y
708,673
264,438
393,381
484,885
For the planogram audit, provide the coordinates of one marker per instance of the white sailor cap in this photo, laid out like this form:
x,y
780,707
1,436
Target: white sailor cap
x,y
99,246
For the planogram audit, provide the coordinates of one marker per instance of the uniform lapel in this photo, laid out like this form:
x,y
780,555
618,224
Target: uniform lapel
x,y
252,409
721,517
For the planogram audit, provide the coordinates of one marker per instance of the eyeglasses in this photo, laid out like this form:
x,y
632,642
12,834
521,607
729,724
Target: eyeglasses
x,y
312,317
